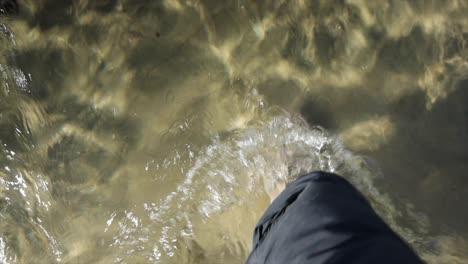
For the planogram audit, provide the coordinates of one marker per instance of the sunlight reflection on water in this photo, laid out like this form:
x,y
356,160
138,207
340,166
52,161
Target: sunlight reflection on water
x,y
139,131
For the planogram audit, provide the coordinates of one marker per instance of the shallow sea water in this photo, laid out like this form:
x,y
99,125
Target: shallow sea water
x,y
154,131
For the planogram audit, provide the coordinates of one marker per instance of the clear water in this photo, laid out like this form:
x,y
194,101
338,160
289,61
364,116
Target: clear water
x,y
154,131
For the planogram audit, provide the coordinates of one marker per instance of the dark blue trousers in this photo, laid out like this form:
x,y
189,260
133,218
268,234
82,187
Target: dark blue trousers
x,y
322,218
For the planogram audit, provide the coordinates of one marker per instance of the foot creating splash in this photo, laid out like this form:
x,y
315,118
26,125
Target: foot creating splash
x,y
319,217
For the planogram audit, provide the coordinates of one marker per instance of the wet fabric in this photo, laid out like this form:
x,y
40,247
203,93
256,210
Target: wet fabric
x,y
322,218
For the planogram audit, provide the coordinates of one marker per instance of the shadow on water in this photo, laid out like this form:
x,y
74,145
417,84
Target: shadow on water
x,y
52,14
424,159
435,181
9,7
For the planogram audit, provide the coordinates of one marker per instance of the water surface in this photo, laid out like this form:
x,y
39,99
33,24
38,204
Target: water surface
x,y
154,131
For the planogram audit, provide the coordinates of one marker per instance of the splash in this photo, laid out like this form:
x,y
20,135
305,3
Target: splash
x,y
215,206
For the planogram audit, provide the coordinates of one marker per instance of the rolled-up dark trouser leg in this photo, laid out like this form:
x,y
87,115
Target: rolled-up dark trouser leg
x,y
322,218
